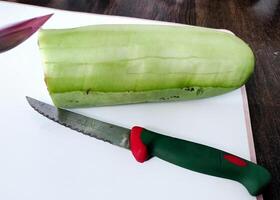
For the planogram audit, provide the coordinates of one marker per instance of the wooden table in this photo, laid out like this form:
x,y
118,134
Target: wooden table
x,y
255,21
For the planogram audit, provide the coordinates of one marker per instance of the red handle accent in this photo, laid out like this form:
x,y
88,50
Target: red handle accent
x,y
235,160
137,147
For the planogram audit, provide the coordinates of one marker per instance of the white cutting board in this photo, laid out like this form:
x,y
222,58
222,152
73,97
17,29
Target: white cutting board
x,y
40,159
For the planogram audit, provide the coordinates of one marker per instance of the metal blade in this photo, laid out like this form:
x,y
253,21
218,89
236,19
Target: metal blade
x,y
101,130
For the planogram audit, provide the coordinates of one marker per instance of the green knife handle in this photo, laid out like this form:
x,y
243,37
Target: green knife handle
x,y
145,144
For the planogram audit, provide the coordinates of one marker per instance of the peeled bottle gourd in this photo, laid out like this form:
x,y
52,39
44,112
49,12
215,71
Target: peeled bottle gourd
x,y
121,64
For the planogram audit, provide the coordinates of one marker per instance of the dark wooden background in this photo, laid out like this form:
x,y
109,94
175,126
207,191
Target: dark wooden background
x,y
255,21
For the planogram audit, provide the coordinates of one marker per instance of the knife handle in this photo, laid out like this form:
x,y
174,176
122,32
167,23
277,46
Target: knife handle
x,y
145,144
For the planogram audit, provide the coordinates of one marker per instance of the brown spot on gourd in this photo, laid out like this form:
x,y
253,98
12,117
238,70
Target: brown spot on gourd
x,y
87,91
189,89
199,91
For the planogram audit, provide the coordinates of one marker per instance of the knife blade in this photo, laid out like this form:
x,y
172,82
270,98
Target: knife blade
x,y
15,34
145,144
88,126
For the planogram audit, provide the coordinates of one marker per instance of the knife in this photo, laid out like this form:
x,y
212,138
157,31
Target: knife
x,y
145,144
15,34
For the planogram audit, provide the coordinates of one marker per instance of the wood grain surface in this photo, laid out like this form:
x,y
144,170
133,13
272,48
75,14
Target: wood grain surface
x,y
255,21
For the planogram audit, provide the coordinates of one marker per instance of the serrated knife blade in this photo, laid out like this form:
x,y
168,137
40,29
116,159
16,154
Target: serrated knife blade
x,y
100,130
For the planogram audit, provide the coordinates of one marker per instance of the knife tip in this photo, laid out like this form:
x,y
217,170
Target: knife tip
x,y
30,100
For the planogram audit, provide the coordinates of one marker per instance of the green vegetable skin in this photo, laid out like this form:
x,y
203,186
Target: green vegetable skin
x,y
121,64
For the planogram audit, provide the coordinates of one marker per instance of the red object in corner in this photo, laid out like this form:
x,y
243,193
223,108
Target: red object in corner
x,y
137,147
235,160
14,34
